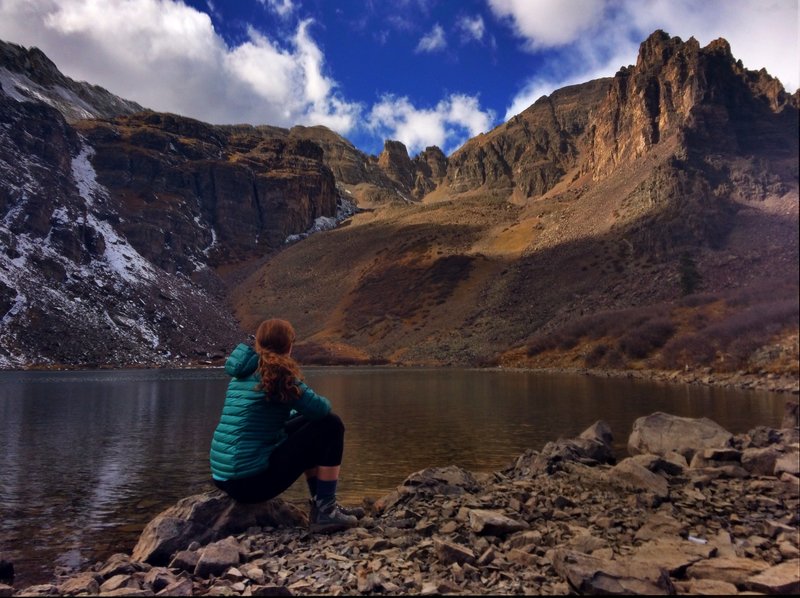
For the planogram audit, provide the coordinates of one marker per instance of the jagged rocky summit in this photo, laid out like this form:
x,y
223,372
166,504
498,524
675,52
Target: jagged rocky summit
x,y
692,510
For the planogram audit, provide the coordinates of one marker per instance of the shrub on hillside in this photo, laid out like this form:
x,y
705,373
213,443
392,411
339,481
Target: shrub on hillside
x,y
641,341
687,350
729,342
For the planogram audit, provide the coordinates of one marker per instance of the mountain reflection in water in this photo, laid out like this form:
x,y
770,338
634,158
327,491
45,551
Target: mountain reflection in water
x,y
91,457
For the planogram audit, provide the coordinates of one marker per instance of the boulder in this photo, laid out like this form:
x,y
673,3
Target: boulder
x,y
218,557
791,415
82,583
761,461
449,552
591,447
207,517
660,433
660,526
715,457
671,464
789,462
673,554
599,431
735,570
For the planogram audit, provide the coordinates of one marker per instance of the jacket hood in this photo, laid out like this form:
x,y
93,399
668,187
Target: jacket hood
x,y
242,362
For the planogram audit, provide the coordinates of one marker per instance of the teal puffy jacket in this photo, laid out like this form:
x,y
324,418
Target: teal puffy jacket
x,y
251,426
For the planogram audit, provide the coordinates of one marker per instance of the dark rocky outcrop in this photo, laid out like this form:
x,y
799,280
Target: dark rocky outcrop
x,y
74,290
189,193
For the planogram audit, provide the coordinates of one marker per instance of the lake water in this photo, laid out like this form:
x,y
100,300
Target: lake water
x,y
90,457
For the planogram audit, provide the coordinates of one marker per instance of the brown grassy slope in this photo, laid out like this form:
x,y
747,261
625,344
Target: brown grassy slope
x,y
389,281
469,279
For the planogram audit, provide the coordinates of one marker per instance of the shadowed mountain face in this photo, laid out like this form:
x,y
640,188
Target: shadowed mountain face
x,y
663,200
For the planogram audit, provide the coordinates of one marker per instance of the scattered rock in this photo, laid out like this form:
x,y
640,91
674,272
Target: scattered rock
x,y
648,525
493,523
633,476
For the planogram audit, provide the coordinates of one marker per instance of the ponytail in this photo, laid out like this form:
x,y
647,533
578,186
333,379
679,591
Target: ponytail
x,y
279,372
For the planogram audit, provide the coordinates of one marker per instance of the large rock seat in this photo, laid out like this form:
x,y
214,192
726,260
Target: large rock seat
x,y
205,518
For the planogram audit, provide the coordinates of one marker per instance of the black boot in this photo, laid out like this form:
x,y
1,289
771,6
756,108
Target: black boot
x,y
326,516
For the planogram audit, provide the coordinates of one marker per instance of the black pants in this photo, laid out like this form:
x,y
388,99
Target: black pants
x,y
311,443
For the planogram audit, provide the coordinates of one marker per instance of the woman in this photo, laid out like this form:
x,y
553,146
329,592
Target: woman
x,y
256,451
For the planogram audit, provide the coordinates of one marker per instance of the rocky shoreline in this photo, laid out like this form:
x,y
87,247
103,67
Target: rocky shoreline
x,y
765,381
693,510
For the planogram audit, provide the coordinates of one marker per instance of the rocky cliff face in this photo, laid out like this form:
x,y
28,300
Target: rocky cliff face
x,y
702,98
700,118
534,150
73,289
391,176
187,193
110,227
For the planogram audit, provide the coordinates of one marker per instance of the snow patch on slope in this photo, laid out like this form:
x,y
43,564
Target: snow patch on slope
x,y
22,89
123,259
345,208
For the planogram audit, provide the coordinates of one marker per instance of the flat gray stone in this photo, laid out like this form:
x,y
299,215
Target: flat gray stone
x,y
780,579
492,523
591,575
631,475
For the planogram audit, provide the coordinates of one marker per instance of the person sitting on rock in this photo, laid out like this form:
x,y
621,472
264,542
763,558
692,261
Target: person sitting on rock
x,y
274,427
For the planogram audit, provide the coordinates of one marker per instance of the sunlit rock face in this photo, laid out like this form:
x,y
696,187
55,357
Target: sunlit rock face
x,y
531,152
702,97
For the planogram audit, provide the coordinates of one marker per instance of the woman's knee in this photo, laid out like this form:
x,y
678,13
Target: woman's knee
x,y
333,423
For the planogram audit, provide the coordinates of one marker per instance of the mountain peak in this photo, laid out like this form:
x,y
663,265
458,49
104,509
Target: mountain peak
x,y
29,75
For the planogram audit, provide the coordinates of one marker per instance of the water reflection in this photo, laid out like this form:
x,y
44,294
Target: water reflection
x,y
90,457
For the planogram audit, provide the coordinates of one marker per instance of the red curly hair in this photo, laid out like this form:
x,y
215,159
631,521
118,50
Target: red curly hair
x,y
279,372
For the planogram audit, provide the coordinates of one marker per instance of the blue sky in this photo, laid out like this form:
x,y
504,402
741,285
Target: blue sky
x,y
425,72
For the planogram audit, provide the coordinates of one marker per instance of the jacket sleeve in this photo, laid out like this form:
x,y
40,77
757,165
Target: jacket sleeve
x,y
310,404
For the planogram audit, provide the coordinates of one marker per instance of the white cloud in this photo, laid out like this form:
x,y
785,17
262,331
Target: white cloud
x,y
433,40
594,38
167,56
548,23
283,7
472,29
448,125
